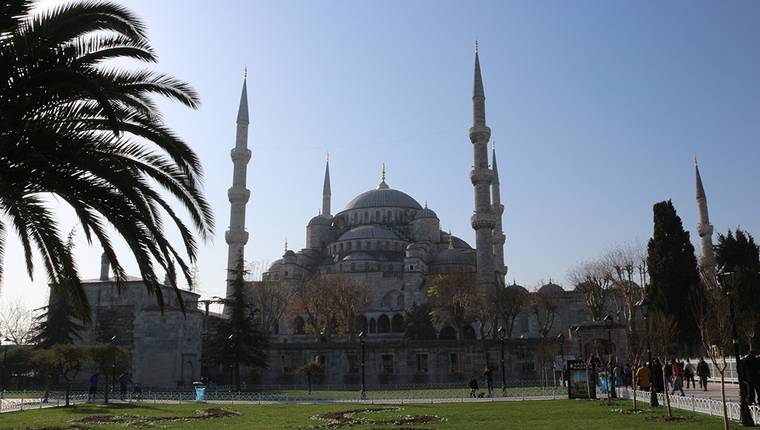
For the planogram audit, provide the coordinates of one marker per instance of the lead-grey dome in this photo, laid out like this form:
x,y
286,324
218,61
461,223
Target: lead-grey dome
x,y
320,220
369,232
551,288
382,197
425,213
455,257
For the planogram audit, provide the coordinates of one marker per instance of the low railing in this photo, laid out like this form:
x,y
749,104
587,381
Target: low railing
x,y
12,401
712,407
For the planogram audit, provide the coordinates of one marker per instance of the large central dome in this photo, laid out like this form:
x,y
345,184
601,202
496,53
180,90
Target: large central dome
x,y
383,197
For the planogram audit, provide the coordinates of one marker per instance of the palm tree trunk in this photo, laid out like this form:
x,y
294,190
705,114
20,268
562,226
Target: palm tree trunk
x,y
723,399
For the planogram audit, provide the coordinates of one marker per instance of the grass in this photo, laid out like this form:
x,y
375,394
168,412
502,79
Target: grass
x,y
535,415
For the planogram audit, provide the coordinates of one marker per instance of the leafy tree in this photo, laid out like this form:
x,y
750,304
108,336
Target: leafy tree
x,y
61,361
110,360
56,325
77,128
673,274
310,369
238,339
419,323
738,253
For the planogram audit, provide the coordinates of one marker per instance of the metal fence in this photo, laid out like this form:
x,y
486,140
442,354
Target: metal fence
x,y
712,407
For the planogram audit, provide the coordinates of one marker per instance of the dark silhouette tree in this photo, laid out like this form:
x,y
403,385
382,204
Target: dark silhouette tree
x,y
239,340
419,322
77,128
673,274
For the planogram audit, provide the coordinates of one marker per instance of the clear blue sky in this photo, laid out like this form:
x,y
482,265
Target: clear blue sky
x,y
597,108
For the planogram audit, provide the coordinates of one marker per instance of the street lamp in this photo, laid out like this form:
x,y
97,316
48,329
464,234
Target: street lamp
x,y
363,392
561,340
744,413
608,322
500,334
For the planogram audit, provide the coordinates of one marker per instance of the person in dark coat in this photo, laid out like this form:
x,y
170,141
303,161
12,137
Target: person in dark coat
x,y
751,369
93,386
473,384
488,376
657,381
703,372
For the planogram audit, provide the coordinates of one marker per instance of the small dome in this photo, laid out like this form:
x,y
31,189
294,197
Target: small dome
x,y
551,288
369,232
382,197
457,242
320,220
518,287
359,256
455,257
425,213
275,266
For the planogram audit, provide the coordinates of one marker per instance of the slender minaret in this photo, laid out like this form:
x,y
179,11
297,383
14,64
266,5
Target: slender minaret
x,y
326,194
238,194
498,232
483,221
705,230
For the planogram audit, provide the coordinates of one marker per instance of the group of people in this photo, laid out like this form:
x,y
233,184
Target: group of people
x,y
673,375
123,380
472,384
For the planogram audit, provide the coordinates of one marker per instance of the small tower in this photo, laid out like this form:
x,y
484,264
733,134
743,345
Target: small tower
x,y
705,231
498,234
238,195
483,221
326,193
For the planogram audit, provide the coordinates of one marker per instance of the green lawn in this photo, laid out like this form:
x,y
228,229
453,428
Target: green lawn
x,y
533,415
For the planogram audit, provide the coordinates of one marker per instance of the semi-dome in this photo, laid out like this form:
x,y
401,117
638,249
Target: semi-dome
x,y
369,232
320,220
382,197
275,266
455,257
517,287
425,213
456,242
551,288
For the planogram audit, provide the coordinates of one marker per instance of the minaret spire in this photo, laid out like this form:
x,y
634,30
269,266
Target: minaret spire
x,y
326,193
483,221
498,233
238,195
705,231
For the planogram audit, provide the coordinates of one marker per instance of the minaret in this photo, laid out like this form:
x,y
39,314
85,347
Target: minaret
x,y
498,233
238,194
326,194
705,230
483,221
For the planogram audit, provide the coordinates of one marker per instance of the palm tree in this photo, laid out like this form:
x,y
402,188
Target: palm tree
x,y
76,128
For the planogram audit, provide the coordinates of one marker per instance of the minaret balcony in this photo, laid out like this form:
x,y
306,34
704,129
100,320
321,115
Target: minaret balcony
x,y
240,154
238,194
480,134
481,176
704,229
483,220
236,237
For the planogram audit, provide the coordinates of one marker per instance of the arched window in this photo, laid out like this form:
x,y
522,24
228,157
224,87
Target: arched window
x,y
468,332
372,326
383,324
448,333
397,324
299,326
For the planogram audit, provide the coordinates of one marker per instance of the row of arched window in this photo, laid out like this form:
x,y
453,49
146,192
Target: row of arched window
x,y
367,245
379,216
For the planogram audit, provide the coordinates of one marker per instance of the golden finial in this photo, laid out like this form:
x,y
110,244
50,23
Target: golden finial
x,y
451,240
477,46
286,244
382,173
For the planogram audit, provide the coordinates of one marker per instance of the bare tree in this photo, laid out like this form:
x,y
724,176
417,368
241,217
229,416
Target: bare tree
x,y
350,300
17,323
623,263
509,303
455,297
254,270
593,280
272,300
712,312
544,307
330,302
310,301
662,334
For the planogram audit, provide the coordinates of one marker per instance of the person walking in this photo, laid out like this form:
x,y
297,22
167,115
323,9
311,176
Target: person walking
x,y
473,384
751,365
644,376
688,374
124,379
668,374
657,383
488,376
628,375
703,372
677,378
93,387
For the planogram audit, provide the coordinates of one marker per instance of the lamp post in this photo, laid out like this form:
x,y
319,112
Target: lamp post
x,y
500,334
363,392
561,340
608,322
653,402
744,413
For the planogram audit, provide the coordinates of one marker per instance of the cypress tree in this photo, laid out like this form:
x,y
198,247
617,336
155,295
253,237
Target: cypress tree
x,y
673,273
